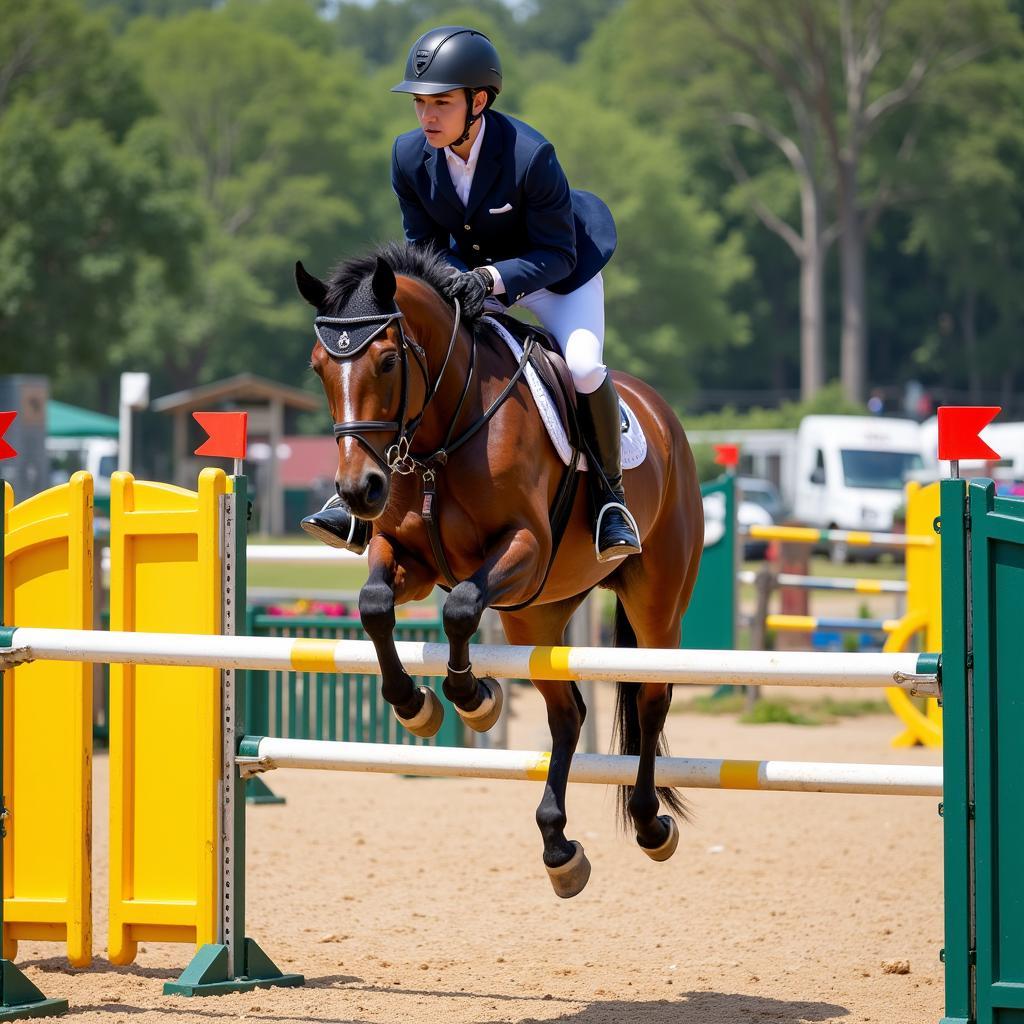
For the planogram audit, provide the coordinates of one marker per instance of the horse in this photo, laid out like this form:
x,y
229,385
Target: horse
x,y
440,445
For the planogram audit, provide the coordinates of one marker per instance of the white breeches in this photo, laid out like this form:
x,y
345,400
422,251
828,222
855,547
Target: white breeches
x,y
577,322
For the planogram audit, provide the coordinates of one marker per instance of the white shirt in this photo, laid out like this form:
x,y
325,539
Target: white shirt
x,y
462,172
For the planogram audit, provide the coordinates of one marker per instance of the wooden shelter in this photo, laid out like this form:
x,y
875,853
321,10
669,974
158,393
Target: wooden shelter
x,y
266,402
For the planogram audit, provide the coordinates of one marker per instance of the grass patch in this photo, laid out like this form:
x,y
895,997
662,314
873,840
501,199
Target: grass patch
x,y
785,710
773,712
709,704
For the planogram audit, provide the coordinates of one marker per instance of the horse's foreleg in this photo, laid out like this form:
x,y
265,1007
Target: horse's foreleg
x,y
511,567
567,864
416,707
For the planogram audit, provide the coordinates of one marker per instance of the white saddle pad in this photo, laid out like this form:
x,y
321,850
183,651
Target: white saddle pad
x,y
634,443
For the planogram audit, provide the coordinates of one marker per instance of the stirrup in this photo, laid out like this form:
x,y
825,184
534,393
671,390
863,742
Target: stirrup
x,y
320,525
622,550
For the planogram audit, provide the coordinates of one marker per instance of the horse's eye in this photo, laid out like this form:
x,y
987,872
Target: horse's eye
x,y
388,363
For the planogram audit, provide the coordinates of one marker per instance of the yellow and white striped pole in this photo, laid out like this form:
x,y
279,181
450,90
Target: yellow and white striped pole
x,y
917,673
264,753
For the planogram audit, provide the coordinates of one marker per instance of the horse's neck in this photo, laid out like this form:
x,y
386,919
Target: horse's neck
x,y
451,382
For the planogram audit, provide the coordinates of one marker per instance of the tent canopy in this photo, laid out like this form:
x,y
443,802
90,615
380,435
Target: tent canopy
x,y
63,420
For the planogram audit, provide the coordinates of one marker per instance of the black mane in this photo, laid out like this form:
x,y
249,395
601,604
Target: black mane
x,y
419,261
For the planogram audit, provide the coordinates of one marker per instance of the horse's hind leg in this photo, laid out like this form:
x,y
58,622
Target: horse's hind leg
x,y
653,592
657,835
566,863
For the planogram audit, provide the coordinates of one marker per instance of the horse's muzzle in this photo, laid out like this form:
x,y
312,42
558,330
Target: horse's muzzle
x,y
368,498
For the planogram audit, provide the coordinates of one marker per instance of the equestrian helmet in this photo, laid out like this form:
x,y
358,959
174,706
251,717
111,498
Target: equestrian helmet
x,y
452,57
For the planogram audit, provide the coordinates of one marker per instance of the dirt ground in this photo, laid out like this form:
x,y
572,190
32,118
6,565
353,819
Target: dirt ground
x,y
425,900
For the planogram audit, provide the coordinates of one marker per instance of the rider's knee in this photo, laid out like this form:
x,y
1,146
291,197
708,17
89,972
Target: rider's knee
x,y
583,357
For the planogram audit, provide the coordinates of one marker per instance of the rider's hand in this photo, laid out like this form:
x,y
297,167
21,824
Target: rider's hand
x,y
471,289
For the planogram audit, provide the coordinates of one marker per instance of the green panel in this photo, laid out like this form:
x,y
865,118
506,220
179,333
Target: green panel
x,y
710,620
997,537
956,819
324,706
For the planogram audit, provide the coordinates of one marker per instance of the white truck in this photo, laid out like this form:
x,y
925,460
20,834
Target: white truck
x,y
97,455
851,470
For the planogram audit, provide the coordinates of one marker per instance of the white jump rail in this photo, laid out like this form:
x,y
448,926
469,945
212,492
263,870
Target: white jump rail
x,y
914,673
282,554
298,554
264,753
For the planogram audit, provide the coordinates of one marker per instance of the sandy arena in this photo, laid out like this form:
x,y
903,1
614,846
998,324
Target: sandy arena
x,y
425,900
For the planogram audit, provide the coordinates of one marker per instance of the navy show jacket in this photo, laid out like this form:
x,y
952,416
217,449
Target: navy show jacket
x,y
522,217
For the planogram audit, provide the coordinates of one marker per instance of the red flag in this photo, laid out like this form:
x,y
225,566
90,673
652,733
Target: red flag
x,y
227,434
727,455
6,419
959,427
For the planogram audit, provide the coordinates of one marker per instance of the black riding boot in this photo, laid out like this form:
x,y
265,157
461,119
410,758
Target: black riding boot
x,y
615,531
337,527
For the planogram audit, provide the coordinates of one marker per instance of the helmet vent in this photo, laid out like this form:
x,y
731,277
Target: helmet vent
x,y
422,60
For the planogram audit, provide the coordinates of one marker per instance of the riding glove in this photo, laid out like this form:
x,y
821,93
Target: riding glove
x,y
471,289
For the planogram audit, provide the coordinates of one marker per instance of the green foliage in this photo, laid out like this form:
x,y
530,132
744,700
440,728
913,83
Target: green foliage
x,y
163,163
275,187
780,710
665,287
787,416
85,224
777,712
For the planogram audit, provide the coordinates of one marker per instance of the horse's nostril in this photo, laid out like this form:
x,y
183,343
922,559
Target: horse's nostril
x,y
374,489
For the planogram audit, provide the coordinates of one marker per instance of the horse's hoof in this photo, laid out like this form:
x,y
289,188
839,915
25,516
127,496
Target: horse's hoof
x,y
569,879
482,718
429,718
668,847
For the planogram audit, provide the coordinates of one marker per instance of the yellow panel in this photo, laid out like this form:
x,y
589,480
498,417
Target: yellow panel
x,y
164,722
924,615
924,570
47,770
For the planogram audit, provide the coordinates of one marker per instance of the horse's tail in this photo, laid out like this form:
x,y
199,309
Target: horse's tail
x,y
627,728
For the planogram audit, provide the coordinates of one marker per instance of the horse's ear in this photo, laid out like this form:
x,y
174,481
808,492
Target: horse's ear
x,y
311,288
384,283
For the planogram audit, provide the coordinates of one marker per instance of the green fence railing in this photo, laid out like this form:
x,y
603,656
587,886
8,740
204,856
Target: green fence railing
x,y
327,706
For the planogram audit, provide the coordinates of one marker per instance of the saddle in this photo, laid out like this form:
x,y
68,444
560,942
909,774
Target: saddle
x,y
549,364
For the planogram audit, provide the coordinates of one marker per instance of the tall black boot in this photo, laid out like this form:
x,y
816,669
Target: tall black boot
x,y
615,531
337,527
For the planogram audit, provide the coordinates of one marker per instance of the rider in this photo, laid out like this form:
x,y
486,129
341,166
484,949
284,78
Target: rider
x,y
488,192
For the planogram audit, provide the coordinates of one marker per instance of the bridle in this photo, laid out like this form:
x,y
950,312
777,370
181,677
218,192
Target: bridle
x,y
333,334
398,456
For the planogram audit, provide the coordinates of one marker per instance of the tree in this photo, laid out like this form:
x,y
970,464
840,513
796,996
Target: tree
x,y
561,28
666,284
90,192
282,140
769,70
970,223
66,63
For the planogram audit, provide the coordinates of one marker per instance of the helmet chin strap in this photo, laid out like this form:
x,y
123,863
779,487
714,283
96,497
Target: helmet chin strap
x,y
471,119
